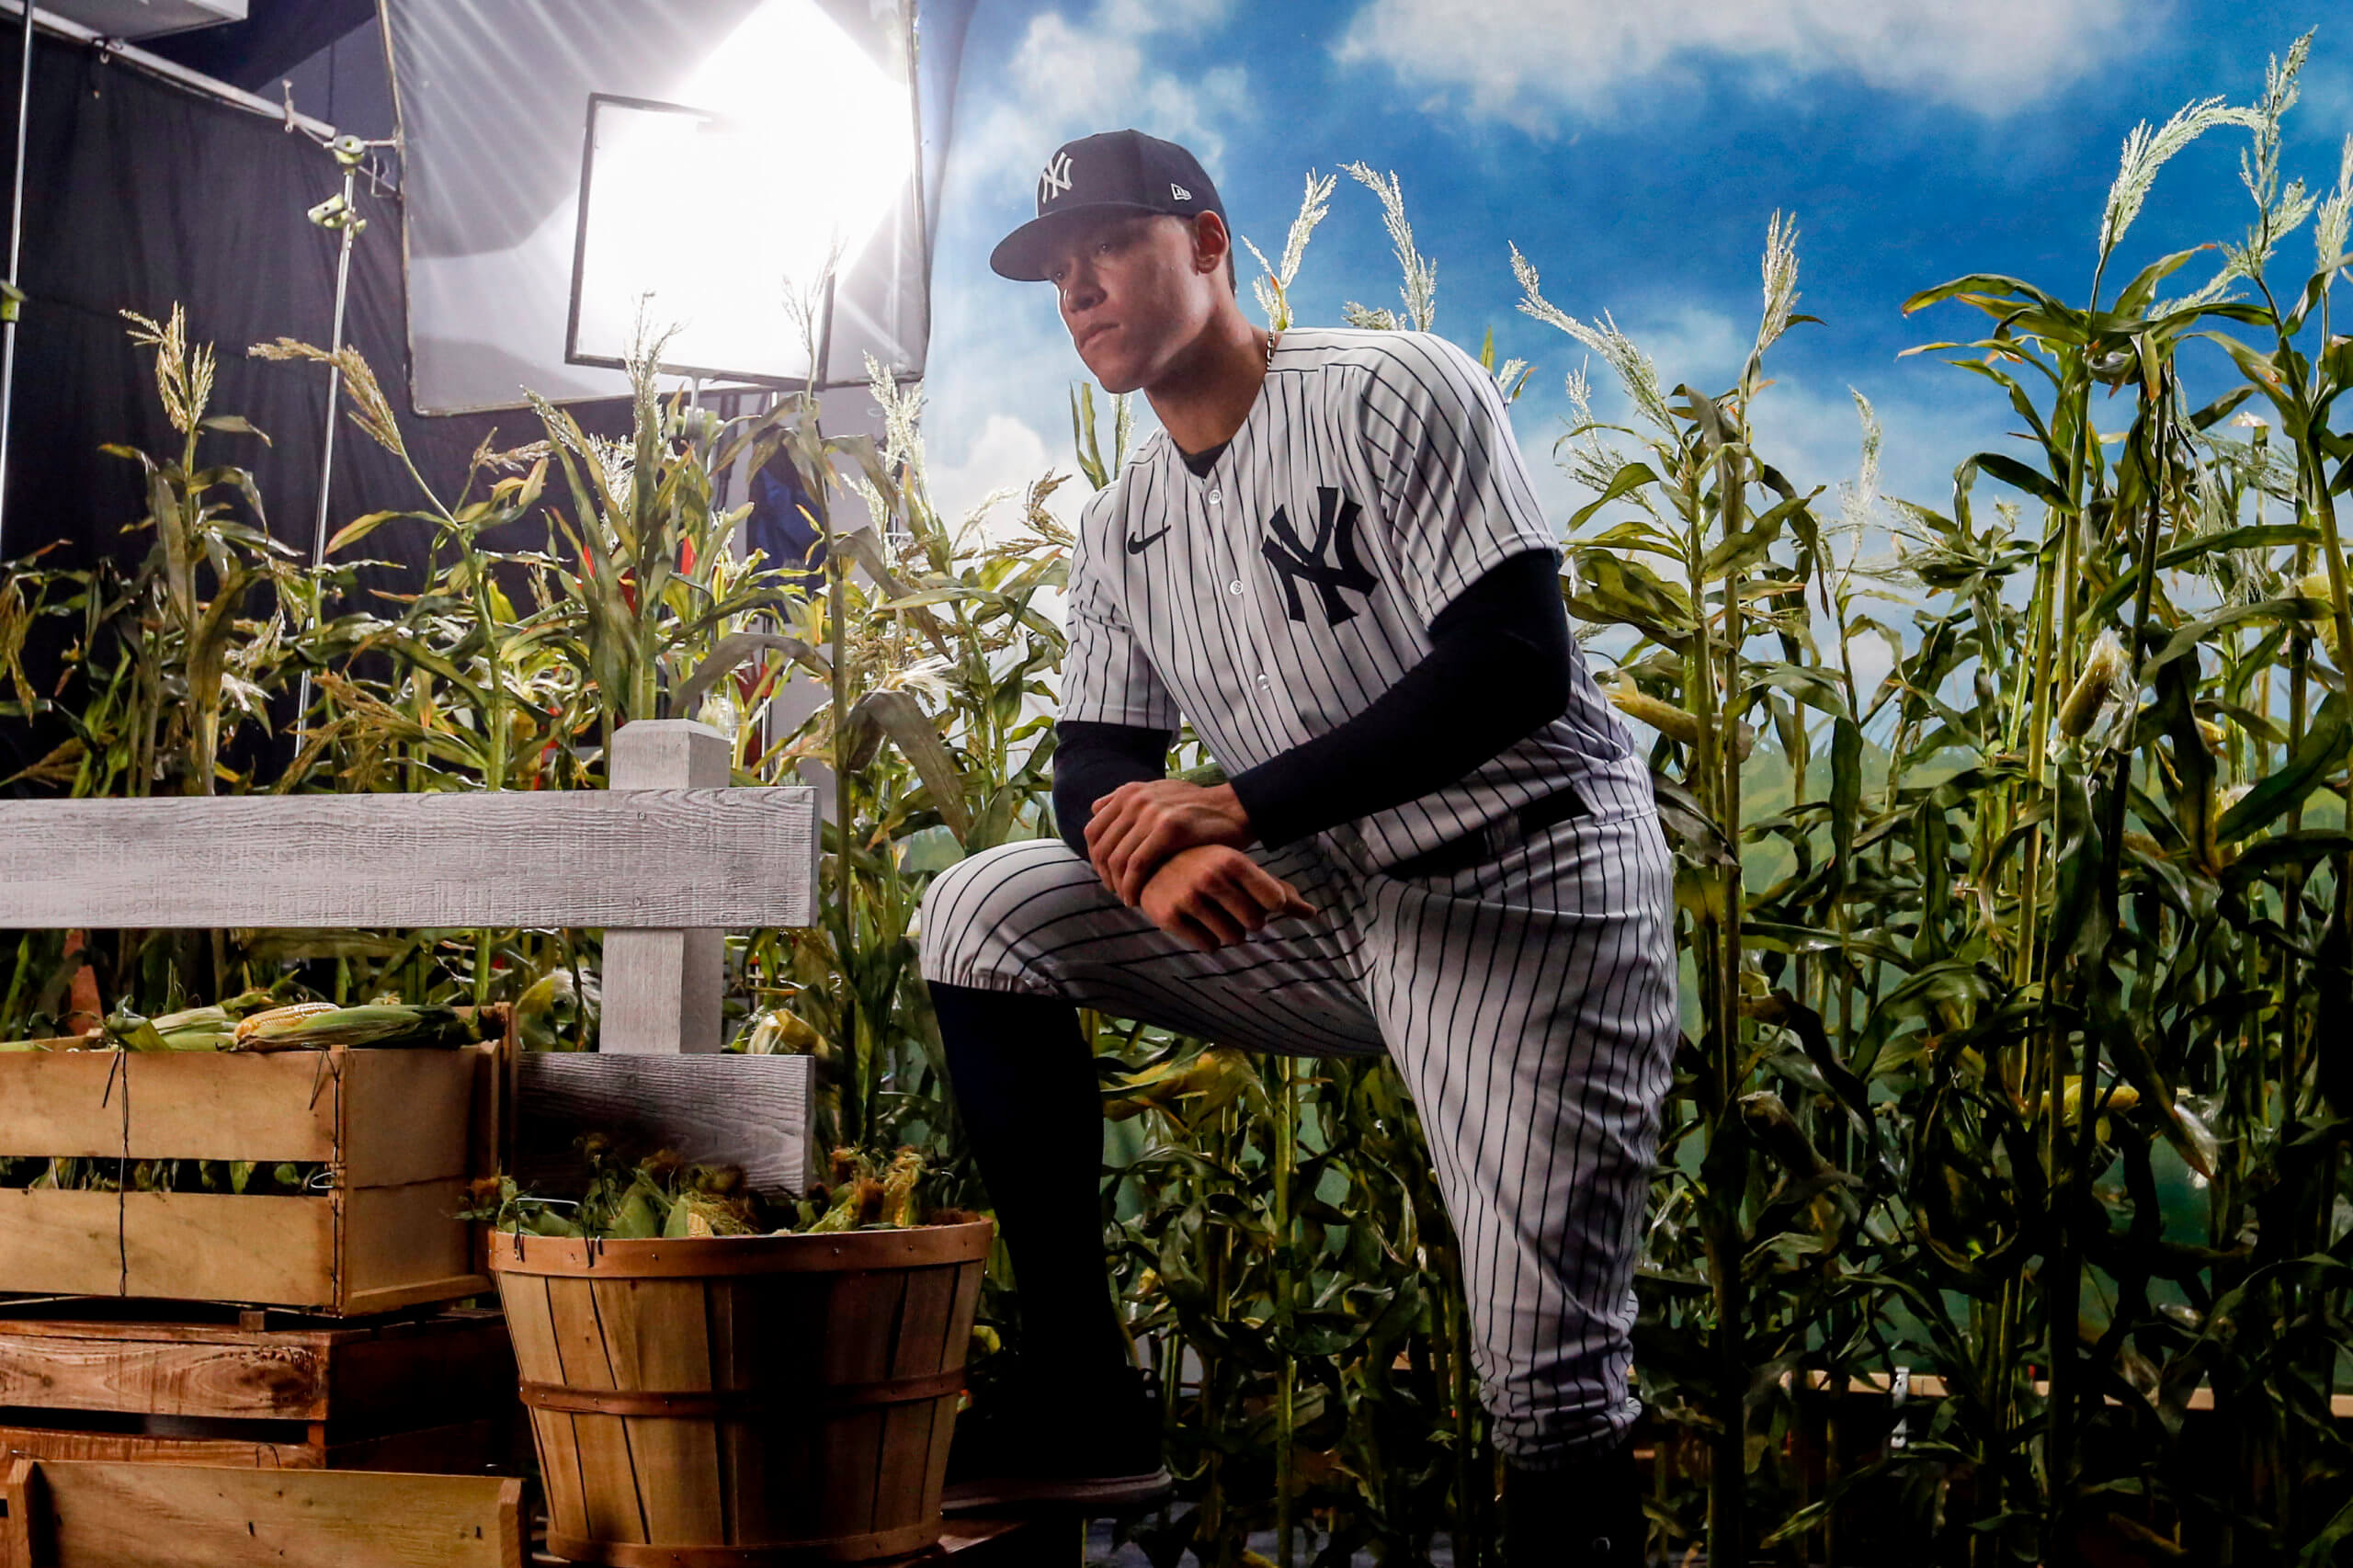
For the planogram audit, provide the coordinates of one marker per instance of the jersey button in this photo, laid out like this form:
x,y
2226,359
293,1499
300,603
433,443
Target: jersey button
x,y
1234,586
1216,497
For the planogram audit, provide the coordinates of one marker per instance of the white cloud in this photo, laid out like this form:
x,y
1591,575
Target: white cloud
x,y
1536,61
1071,77
1007,454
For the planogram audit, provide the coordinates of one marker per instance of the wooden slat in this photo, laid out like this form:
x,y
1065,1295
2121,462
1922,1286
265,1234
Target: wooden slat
x,y
163,1378
209,1105
47,1443
397,1236
59,1242
751,1111
655,1336
664,989
856,1440
200,1106
539,1360
608,1479
628,858
405,1247
94,1514
450,1367
407,1115
736,1347
61,1103
219,1247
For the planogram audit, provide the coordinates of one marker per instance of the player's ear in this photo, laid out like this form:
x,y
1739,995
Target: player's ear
x,y
1212,244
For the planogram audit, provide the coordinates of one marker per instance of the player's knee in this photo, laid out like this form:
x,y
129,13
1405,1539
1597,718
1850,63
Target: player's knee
x,y
972,911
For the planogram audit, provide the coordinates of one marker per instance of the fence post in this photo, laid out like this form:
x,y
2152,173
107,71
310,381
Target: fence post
x,y
662,989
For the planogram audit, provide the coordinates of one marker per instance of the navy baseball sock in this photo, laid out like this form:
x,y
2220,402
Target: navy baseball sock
x,y
1584,1510
1024,1088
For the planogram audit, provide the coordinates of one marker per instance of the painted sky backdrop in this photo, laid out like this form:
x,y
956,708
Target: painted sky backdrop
x,y
1634,150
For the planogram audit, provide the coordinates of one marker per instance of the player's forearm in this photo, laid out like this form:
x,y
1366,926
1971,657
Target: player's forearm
x,y
1497,671
1092,760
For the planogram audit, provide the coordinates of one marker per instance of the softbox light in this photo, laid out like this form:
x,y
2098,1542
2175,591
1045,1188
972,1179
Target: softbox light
x,y
764,129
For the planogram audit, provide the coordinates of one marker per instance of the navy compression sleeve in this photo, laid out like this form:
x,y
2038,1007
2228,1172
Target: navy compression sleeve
x,y
1091,760
1496,672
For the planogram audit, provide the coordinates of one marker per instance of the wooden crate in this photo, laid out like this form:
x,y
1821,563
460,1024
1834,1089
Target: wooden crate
x,y
399,1131
430,1394
86,1514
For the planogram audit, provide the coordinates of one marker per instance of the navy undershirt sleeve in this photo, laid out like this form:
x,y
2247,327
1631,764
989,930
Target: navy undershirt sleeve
x,y
1091,760
1497,671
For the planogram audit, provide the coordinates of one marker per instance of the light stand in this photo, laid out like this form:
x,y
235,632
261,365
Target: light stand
x,y
12,297
341,214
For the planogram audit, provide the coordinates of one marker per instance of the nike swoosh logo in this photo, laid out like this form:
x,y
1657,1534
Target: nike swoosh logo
x,y
1136,546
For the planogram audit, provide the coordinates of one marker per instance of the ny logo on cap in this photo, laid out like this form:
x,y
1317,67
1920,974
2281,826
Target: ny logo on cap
x,y
1055,179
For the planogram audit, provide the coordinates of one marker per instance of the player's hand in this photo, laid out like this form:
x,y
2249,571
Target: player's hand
x,y
1138,827
1213,895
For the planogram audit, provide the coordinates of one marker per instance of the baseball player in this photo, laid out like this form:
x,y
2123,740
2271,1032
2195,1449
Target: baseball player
x,y
1436,841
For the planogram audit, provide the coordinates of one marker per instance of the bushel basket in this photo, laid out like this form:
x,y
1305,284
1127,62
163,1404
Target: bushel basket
x,y
731,1401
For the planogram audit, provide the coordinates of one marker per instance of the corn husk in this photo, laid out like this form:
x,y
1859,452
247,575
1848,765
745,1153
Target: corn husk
x,y
1675,723
898,1183
2102,671
857,1203
781,1033
312,1028
545,1013
708,1214
1189,1089
2314,585
2111,1099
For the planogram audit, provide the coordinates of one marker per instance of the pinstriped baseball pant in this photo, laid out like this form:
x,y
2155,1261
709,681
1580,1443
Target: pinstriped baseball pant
x,y
1529,1003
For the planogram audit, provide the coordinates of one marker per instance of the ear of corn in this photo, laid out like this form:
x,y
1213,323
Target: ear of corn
x,y
312,1026
275,1020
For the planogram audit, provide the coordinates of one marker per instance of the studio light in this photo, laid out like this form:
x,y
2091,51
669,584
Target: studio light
x,y
714,220
569,161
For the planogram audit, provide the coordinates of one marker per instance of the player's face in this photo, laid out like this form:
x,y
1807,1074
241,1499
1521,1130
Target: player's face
x,y
1134,293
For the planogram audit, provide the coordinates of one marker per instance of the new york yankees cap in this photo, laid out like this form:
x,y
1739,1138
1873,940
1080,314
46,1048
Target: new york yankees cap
x,y
1113,170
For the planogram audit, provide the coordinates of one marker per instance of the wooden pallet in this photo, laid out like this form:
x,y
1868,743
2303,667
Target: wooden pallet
x,y
967,1543
103,1379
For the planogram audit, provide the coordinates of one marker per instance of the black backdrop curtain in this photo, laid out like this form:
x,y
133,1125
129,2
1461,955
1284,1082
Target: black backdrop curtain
x,y
140,193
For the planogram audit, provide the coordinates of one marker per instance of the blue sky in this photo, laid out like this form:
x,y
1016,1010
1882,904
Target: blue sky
x,y
1634,150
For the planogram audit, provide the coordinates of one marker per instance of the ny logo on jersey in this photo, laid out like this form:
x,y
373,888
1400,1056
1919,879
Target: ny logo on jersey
x,y
1336,529
1055,179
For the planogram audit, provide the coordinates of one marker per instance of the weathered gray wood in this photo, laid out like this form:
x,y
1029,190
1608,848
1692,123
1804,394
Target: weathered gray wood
x,y
664,989
751,1111
664,859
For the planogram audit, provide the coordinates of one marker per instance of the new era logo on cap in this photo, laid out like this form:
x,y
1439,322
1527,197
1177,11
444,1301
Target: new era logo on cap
x,y
1115,171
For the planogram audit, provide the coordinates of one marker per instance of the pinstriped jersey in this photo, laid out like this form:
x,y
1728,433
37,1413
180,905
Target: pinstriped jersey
x,y
1374,479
